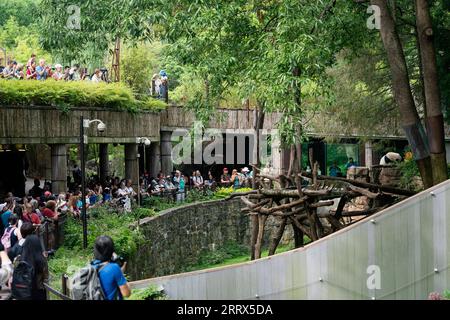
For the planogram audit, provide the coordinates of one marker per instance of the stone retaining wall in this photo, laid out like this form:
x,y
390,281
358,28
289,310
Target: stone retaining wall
x,y
177,237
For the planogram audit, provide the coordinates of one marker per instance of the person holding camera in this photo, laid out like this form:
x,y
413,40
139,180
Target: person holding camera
x,y
110,269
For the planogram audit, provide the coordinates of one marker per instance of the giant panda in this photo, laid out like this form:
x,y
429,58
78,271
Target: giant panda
x,y
389,158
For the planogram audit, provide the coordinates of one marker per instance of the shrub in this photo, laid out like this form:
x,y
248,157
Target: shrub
x,y
150,293
446,294
104,222
66,95
409,171
222,193
71,257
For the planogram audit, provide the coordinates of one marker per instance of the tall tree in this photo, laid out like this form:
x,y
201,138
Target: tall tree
x,y
402,91
435,119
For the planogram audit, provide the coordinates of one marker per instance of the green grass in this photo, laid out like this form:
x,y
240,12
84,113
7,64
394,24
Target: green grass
x,y
231,254
67,95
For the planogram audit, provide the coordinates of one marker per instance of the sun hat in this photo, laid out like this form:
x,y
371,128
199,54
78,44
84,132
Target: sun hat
x,y
245,169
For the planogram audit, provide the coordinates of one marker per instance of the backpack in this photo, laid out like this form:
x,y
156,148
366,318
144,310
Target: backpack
x,y
85,284
6,238
22,281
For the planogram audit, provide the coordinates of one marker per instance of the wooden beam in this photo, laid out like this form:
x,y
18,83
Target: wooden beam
x,y
363,184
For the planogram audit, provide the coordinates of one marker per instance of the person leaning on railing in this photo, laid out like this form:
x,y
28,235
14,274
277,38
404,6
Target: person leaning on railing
x,y
50,217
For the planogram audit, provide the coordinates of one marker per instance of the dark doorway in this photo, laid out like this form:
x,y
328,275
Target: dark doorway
x,y
13,163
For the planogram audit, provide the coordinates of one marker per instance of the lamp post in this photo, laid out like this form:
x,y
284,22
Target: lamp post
x,y
145,142
84,124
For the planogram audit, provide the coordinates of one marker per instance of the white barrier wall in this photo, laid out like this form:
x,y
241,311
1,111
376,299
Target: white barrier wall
x,y
400,253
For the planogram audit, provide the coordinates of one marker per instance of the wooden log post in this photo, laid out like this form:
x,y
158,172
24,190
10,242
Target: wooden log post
x,y
278,234
261,224
298,236
254,236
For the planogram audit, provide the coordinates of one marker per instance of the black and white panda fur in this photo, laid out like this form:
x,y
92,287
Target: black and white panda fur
x,y
389,158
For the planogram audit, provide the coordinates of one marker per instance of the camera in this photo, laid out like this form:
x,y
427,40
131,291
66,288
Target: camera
x,y
118,259
50,253
101,127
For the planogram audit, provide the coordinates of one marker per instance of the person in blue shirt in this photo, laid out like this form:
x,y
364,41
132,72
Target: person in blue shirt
x,y
112,280
41,70
7,212
335,171
350,164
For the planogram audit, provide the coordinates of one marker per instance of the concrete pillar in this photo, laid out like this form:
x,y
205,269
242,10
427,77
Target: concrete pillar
x,y
104,161
155,158
166,152
131,164
369,154
59,168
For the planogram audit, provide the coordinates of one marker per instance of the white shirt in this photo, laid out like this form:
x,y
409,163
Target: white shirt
x,y
130,191
96,79
197,180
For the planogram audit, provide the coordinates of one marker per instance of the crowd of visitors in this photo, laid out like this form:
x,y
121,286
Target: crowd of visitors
x,y
24,265
24,254
38,69
176,184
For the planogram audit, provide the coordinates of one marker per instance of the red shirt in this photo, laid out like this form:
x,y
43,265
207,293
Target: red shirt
x,y
33,218
48,213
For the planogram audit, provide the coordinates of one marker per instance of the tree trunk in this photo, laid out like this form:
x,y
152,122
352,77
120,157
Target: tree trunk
x,y
261,224
258,124
254,238
435,119
402,93
277,237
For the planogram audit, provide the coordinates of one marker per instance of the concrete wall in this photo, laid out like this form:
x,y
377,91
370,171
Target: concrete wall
x,y
409,243
177,237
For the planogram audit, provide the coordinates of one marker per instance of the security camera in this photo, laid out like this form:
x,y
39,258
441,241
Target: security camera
x,y
101,127
147,142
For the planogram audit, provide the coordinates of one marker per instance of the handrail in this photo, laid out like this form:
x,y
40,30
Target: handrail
x,y
61,295
56,292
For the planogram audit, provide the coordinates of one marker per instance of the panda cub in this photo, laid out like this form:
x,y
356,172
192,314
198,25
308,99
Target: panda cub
x,y
389,158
